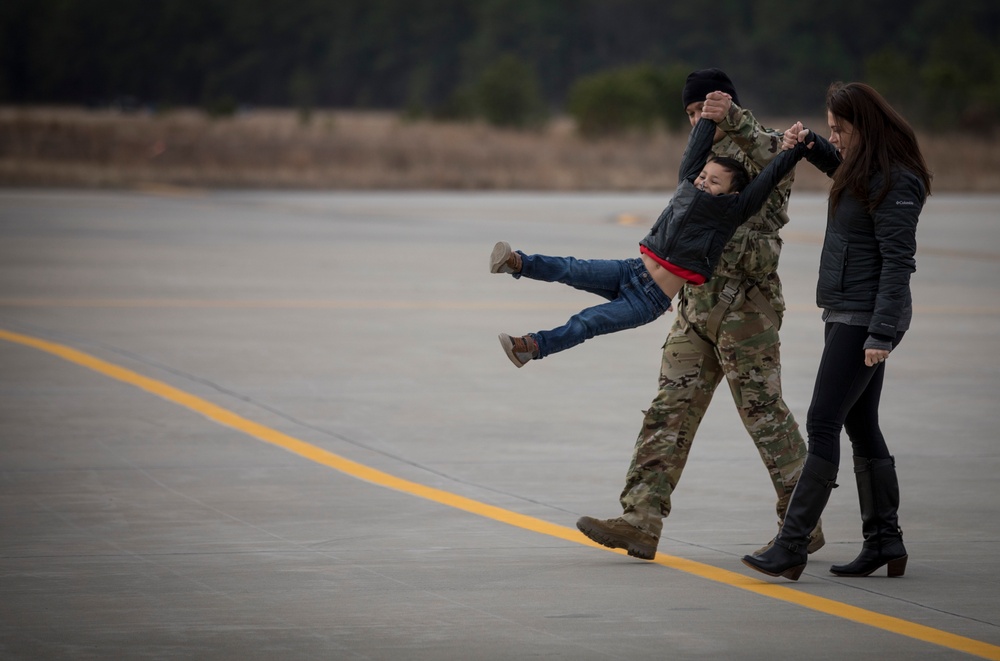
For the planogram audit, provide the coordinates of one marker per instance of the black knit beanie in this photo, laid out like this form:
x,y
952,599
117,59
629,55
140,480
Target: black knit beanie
x,y
700,83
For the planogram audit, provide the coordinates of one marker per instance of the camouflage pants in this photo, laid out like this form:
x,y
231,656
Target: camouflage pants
x,y
747,356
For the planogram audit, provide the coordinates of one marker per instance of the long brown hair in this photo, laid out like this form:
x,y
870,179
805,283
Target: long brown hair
x,y
883,140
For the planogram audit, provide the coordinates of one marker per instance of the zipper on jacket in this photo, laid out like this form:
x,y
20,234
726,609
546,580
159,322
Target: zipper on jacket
x,y
843,271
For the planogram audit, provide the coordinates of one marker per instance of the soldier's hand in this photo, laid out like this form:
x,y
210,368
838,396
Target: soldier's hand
x,y
793,135
717,104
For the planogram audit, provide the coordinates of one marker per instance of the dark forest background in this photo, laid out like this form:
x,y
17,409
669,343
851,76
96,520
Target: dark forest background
x,y
939,61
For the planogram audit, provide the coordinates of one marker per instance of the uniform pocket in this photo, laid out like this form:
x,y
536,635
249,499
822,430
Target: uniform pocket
x,y
763,256
753,369
680,370
750,253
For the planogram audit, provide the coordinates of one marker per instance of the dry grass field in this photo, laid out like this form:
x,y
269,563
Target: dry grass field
x,y
68,147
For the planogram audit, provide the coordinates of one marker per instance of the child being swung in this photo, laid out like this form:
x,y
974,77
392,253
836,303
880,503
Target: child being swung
x,y
712,199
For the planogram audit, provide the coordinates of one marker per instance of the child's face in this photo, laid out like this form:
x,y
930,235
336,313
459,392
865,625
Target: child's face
x,y
714,179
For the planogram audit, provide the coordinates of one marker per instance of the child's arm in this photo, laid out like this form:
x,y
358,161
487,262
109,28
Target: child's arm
x,y
757,191
698,148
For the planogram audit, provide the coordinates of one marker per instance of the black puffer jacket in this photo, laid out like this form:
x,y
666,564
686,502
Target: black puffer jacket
x,y
868,257
695,227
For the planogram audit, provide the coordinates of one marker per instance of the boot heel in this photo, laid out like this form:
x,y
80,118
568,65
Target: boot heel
x,y
793,573
897,566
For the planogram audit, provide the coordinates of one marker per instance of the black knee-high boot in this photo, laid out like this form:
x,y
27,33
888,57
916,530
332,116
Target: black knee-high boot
x,y
878,493
787,556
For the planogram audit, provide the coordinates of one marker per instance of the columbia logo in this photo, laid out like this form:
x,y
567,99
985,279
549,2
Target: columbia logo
x,y
902,203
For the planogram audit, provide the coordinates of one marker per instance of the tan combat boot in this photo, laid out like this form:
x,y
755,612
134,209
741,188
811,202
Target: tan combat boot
x,y
619,534
816,540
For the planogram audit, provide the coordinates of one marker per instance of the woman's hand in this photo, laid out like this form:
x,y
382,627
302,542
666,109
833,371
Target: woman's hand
x,y
716,106
875,356
793,135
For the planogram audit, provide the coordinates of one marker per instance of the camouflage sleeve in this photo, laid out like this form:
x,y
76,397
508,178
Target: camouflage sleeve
x,y
755,247
760,145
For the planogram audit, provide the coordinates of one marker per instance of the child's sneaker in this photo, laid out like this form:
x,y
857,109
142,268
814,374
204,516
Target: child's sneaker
x,y
504,260
519,349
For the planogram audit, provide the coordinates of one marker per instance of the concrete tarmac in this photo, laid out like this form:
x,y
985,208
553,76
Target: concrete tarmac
x,y
262,425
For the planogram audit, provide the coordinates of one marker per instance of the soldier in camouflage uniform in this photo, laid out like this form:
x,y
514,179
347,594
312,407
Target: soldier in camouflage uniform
x,y
725,328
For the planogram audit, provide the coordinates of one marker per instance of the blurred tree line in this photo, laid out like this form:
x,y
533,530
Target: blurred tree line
x,y
610,63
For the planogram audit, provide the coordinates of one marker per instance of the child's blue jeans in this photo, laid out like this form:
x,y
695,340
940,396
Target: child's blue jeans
x,y
633,296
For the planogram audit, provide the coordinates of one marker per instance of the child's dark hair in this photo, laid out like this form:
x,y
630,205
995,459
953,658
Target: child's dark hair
x,y
740,175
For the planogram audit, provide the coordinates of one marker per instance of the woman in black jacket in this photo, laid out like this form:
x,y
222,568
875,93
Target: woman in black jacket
x,y
880,183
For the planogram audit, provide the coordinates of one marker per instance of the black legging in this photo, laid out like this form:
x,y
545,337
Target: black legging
x,y
846,396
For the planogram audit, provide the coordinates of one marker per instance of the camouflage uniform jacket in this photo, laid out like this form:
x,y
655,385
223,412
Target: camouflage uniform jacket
x,y
753,251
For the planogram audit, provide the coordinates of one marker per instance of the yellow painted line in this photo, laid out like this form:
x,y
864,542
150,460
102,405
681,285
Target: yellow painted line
x,y
334,304
318,455
629,219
